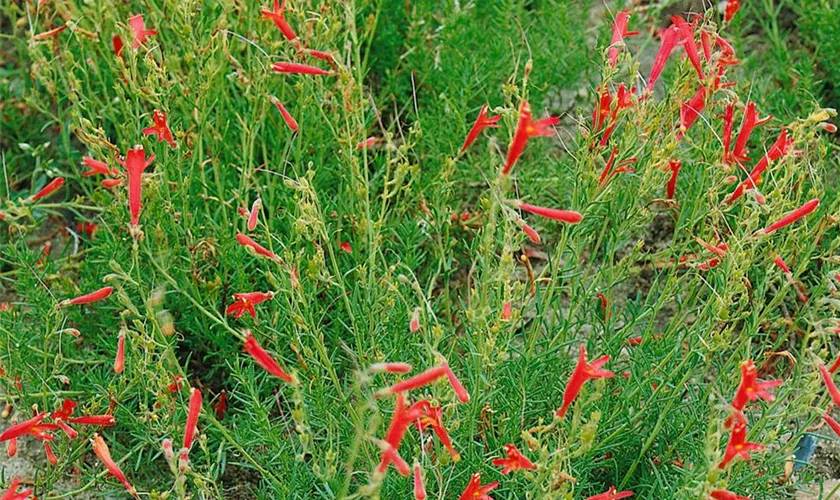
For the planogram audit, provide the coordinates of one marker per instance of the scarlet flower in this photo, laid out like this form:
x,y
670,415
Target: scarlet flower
x,y
119,360
525,129
101,294
100,420
731,9
793,216
135,163
278,16
728,116
298,69
414,322
111,183
400,421
62,415
12,447
96,167
531,233
833,424
390,368
253,216
781,264
583,372
50,455
826,376
247,242
290,121
605,306
192,422
506,311
726,495
567,216
345,247
750,388
622,167
419,487
100,448
749,123
671,187
13,494
515,461
619,34
32,426
459,389
433,418
47,190
606,114
611,494
480,124
139,31
779,149
161,128
738,446
690,111
475,491
320,54
265,360
117,43
220,405
670,37
390,454
370,141
245,302
686,33
420,380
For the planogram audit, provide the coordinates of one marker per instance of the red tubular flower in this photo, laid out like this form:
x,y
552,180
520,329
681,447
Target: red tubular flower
x,y
459,389
255,211
400,421
100,448
515,461
245,302
475,491
138,29
391,455
670,38
793,216
370,141
731,9
835,365
671,187
290,121
117,43
320,54
690,111
265,360
278,16
781,264
567,216
580,375
726,495
298,69
414,322
192,421
623,100
531,233
826,376
12,447
832,423
622,167
619,34
749,123
101,294
419,487
420,380
601,111
161,128
433,418
525,129
135,163
30,426
13,494
738,446
480,124
390,368
345,247
59,417
50,455
119,360
506,313
111,183
47,190
247,242
779,149
611,494
220,405
686,31
96,167
100,420
750,388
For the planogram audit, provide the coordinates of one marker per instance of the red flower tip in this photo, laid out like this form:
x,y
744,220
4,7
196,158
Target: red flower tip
x,y
254,214
96,167
290,121
192,419
506,313
139,31
419,487
101,294
100,420
671,187
525,129
567,216
390,368
414,322
111,183
826,376
732,7
611,494
47,190
253,348
135,164
345,247
793,216
13,494
738,446
781,264
726,495
752,389
475,490
247,242
515,461
119,360
245,302
100,448
117,43
278,17
480,124
370,141
619,34
160,129
583,371
298,69
531,233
